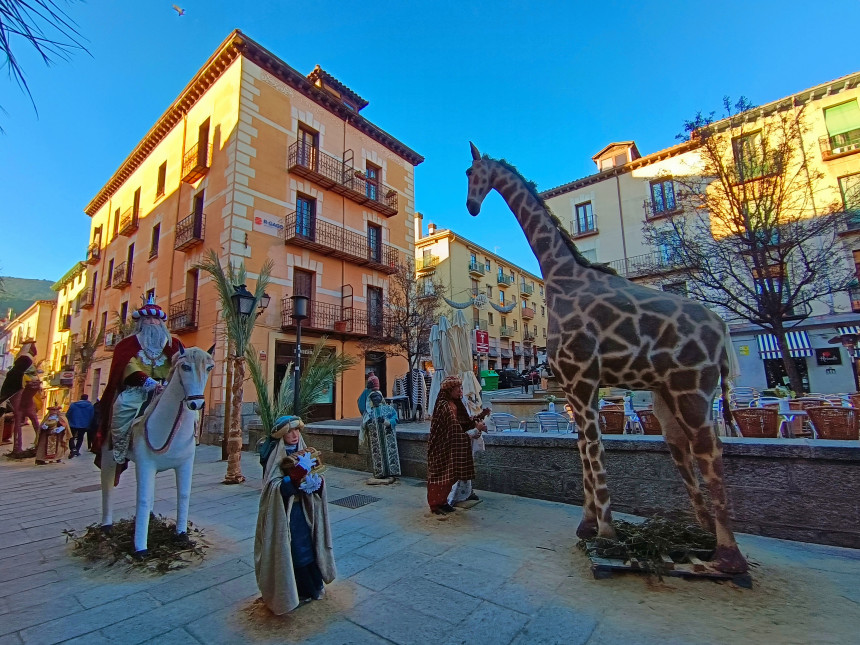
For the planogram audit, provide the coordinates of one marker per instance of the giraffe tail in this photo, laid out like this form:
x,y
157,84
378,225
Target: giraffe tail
x,y
729,371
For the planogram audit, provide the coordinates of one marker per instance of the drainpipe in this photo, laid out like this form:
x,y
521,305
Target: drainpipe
x,y
621,221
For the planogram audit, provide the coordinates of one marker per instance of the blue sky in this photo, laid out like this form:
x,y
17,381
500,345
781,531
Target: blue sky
x,y
543,84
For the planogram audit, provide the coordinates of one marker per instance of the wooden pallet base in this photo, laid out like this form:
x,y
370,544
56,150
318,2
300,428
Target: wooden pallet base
x,y
602,568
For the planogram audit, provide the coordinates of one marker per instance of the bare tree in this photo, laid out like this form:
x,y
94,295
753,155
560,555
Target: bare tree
x,y
44,26
83,355
412,307
750,230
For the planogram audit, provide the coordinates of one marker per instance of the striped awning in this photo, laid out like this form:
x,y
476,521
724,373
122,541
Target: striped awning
x,y
850,330
798,345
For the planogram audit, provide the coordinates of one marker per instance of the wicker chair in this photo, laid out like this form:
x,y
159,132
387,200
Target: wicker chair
x,y
649,422
830,422
611,421
760,423
855,400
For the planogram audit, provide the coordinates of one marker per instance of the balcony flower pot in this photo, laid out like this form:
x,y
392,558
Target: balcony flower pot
x,y
340,325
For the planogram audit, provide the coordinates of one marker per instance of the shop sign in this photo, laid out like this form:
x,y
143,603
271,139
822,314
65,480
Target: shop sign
x,y
828,356
482,341
67,378
744,350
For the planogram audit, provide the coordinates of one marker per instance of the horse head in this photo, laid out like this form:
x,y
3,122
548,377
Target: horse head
x,y
193,365
480,176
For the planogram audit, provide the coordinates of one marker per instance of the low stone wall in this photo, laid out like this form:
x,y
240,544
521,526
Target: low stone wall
x,y
798,489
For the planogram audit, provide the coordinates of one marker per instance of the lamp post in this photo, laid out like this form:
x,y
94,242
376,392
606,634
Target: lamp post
x,y
300,312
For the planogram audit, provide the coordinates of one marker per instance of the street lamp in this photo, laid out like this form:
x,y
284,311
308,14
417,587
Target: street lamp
x,y
243,300
300,312
849,342
264,303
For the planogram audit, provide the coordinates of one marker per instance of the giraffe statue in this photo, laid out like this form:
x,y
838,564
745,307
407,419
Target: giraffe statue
x,y
605,330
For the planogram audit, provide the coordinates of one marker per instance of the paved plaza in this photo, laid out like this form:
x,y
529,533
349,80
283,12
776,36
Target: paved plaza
x,y
505,571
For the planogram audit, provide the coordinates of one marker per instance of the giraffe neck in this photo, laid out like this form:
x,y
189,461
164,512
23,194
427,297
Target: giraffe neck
x,y
538,224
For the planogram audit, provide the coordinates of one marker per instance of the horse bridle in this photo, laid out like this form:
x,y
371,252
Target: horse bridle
x,y
182,406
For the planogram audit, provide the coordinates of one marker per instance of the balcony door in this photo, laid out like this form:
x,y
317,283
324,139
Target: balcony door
x,y
303,285
306,217
374,311
308,141
372,187
374,242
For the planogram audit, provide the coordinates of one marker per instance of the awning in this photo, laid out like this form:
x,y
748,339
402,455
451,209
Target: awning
x,y
493,353
506,353
798,345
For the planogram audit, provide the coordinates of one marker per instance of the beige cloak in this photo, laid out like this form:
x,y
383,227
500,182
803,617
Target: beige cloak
x,y
273,562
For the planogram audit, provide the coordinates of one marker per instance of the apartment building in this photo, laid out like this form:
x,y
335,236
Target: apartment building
x,y
59,367
256,161
606,213
514,337
35,324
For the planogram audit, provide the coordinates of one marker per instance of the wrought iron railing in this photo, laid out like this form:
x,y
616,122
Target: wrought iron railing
x,y
337,241
112,337
754,167
183,315
121,275
426,262
506,332
528,337
87,298
334,174
839,145
195,162
330,318
504,280
189,231
128,221
93,253
526,289
476,267
653,263
65,322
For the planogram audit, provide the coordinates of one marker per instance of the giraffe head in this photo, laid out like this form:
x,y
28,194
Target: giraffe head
x,y
480,176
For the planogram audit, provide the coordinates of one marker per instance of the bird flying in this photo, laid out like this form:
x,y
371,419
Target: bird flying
x,y
181,12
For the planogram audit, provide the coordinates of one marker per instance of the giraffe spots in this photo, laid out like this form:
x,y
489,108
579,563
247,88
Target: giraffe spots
x,y
691,354
710,338
683,380
612,367
649,325
663,362
685,326
612,346
603,314
709,378
668,339
696,312
627,331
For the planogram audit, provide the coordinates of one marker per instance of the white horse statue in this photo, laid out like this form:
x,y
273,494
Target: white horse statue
x,y
162,438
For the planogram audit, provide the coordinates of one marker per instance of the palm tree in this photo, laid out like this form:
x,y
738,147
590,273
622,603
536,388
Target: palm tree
x,y
239,329
322,368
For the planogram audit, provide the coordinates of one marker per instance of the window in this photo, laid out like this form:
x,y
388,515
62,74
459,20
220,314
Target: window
x,y
374,242
426,288
490,318
150,295
306,216
97,236
489,292
307,148
123,311
662,196
849,186
541,290
89,335
129,260
374,309
515,325
162,180
535,330
668,243
843,124
678,288
104,321
153,242
487,263
584,218
542,310
115,224
749,156
109,274
503,321
372,184
501,297
543,329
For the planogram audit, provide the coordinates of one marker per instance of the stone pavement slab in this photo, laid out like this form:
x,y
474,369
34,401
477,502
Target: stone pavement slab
x,y
504,572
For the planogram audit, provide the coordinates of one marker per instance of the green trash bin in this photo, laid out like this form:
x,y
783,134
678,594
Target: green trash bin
x,y
489,380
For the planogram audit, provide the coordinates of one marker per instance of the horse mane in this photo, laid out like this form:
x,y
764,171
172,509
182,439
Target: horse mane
x,y
531,187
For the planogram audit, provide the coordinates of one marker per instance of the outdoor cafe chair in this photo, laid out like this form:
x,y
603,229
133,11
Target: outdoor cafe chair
x,y
741,397
831,422
759,423
502,421
649,422
553,422
611,421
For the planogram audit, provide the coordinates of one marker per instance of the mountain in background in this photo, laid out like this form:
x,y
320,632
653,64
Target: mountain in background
x,y
20,293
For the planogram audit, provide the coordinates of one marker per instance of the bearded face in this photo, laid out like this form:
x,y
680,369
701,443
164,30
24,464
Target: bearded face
x,y
152,334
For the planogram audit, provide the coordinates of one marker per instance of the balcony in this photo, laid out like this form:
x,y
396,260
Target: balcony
x,y
654,210
506,332
128,222
426,263
480,324
654,263
526,289
183,316
476,269
94,253
335,319
189,231
121,276
336,176
527,312
504,280
112,337
839,145
338,242
195,163
87,298
65,323
528,337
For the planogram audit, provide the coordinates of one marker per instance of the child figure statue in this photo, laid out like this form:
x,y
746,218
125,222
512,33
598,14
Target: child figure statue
x,y
293,556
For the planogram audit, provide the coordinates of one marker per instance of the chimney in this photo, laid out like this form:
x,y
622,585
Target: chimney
x,y
419,225
431,228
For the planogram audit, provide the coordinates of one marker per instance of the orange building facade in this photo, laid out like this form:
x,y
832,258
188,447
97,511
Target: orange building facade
x,y
256,162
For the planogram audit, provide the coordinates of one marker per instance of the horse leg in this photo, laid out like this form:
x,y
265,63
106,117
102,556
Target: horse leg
x,y
183,495
145,499
679,448
108,473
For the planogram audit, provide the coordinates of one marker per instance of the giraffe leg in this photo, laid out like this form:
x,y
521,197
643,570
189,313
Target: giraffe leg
x,y
588,525
680,449
709,455
594,479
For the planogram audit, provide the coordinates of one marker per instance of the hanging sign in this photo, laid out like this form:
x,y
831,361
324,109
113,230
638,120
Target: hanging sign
x,y
482,341
828,356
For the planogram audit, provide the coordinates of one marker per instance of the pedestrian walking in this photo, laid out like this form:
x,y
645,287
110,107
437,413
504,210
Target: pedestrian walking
x,y
80,416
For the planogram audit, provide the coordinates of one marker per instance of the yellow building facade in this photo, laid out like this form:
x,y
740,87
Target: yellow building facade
x,y
607,211
517,338
257,162
59,368
36,323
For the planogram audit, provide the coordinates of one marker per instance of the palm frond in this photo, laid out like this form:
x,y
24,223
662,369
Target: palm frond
x,y
268,414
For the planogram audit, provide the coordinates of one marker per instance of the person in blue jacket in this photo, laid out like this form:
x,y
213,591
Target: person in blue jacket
x,y
80,416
